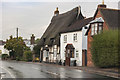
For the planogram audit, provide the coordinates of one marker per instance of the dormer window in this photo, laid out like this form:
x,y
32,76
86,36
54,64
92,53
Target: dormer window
x,y
96,28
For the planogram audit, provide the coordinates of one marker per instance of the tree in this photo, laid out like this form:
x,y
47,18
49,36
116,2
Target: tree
x,y
16,47
0,51
37,50
104,49
37,41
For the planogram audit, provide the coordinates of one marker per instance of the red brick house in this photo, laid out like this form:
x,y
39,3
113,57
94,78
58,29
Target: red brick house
x,y
104,19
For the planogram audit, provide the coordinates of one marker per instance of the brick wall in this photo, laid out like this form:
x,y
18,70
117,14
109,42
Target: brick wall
x,y
89,56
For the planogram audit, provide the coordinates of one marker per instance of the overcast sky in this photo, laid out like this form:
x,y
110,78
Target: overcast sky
x,y
33,17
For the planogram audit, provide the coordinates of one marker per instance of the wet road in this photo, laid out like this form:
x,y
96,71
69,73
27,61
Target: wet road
x,y
13,69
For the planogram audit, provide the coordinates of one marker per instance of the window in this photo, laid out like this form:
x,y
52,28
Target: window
x,y
75,37
65,38
77,54
96,28
100,27
92,29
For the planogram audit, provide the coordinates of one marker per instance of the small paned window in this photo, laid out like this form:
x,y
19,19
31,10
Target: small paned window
x,y
75,37
65,38
100,27
92,29
77,54
96,28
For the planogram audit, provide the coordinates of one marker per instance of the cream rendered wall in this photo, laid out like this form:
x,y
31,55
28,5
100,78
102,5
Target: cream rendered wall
x,y
4,51
45,53
77,45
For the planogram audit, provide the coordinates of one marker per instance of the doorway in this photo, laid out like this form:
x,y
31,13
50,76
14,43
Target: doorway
x,y
69,54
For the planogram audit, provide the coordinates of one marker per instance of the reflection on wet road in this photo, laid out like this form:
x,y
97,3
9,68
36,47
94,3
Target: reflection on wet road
x,y
15,69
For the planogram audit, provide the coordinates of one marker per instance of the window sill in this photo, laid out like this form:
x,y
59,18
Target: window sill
x,y
76,41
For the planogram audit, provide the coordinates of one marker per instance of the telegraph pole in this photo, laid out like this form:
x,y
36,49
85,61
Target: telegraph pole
x,y
17,32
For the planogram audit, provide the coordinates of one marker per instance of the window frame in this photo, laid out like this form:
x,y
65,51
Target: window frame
x,y
99,31
94,30
65,39
75,37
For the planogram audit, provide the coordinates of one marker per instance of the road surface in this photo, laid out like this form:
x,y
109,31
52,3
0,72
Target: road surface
x,y
14,69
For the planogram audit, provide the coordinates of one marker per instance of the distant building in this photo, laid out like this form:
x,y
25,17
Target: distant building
x,y
2,49
104,19
30,42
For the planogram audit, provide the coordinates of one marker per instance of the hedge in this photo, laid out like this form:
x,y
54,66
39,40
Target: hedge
x,y
104,49
28,55
4,56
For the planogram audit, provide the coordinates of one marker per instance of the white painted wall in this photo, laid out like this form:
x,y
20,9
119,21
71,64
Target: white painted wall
x,y
45,54
31,46
80,44
77,45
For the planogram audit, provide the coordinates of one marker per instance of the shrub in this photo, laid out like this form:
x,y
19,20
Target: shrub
x,y
104,49
37,50
28,55
4,56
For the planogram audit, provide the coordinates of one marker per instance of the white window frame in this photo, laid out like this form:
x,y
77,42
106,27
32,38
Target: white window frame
x,y
96,28
100,25
77,54
92,29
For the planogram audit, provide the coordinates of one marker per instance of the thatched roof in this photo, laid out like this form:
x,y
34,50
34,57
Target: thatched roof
x,y
58,24
77,26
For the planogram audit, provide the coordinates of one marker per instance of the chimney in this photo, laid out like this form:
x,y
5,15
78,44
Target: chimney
x,y
32,39
102,5
79,10
56,12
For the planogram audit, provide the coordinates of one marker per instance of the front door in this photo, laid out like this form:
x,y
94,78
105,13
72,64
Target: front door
x,y
84,58
69,54
67,61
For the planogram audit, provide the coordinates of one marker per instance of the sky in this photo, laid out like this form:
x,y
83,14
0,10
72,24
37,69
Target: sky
x,y
34,16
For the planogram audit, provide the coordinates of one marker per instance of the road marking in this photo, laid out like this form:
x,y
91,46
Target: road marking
x,y
8,72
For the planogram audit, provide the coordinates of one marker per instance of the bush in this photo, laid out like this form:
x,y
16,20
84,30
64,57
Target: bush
x,y
28,56
4,56
104,49
37,50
